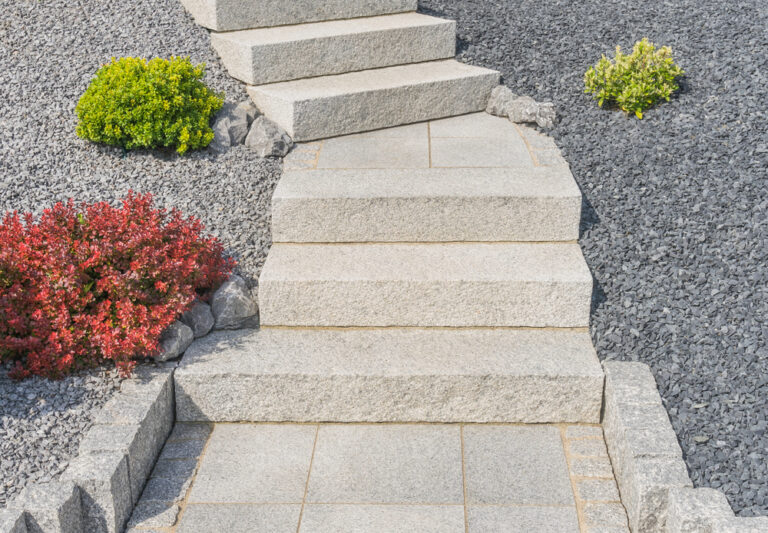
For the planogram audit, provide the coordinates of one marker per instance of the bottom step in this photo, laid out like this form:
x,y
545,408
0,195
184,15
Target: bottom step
x,y
391,375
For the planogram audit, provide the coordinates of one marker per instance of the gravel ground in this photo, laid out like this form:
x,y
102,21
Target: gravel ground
x,y
676,225
48,53
41,423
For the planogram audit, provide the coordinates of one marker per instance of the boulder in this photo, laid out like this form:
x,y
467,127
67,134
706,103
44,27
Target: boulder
x,y
267,139
174,341
199,318
248,110
221,137
545,116
522,109
500,101
233,305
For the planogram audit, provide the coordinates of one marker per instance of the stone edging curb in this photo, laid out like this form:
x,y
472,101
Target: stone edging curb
x,y
99,488
648,462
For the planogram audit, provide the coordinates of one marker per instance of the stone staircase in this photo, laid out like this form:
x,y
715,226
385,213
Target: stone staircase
x,y
423,273
322,69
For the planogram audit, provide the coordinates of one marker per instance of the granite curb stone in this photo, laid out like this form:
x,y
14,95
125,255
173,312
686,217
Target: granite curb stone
x,y
12,521
53,507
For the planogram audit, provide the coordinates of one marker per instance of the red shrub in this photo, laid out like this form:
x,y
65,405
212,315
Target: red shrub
x,y
88,283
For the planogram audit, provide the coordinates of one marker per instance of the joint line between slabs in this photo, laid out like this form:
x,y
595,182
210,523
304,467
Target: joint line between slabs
x,y
464,479
185,502
309,473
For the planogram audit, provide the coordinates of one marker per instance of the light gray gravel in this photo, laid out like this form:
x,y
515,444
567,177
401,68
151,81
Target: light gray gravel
x,y
48,53
42,422
676,226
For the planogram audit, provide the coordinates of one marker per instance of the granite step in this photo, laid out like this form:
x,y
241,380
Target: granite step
x,y
269,55
427,205
391,375
228,15
456,284
329,106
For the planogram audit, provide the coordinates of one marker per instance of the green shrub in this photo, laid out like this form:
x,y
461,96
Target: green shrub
x,y
634,82
135,103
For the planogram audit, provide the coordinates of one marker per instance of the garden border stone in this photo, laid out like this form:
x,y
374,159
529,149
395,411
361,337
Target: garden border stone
x,y
12,521
648,462
103,482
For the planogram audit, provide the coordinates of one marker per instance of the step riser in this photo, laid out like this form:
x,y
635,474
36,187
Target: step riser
x,y
228,15
426,206
335,54
301,398
321,117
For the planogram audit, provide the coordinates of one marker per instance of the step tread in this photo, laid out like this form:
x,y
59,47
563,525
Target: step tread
x,y
394,352
481,262
371,80
330,29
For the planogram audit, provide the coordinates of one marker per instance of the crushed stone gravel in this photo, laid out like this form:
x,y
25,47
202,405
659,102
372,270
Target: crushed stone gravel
x,y
49,51
675,227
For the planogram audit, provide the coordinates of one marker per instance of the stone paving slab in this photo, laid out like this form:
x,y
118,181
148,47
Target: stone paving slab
x,y
386,478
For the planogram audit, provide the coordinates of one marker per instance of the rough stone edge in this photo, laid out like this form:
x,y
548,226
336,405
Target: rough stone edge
x,y
648,462
145,403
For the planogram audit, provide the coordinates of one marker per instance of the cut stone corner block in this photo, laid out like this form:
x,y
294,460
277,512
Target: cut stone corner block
x,y
696,510
227,15
51,507
105,490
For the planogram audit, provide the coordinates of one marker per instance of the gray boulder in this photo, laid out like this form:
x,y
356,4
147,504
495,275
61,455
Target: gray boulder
x,y
221,137
199,318
248,110
267,139
233,305
174,341
500,101
522,109
545,116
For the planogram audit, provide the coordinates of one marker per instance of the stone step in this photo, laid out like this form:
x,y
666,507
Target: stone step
x,y
271,55
228,15
391,375
427,205
456,284
328,106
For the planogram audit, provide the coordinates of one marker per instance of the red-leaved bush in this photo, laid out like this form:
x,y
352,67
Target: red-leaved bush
x,y
89,283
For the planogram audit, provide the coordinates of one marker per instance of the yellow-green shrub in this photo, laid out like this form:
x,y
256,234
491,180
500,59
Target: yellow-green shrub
x,y
135,103
634,82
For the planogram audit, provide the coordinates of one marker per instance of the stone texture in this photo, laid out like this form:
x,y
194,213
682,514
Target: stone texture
x,y
12,521
53,507
516,466
328,106
580,432
391,375
226,15
222,140
383,518
268,55
148,515
426,205
522,109
591,467
233,305
461,284
174,341
546,115
137,421
696,510
605,514
275,471
529,519
500,101
267,139
387,464
204,518
600,490
105,490
199,319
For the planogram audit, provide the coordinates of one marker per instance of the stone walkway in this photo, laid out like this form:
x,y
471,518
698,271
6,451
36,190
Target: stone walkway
x,y
371,478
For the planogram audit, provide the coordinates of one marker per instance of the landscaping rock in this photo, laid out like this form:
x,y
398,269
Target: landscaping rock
x,y
522,109
545,116
174,341
233,305
267,139
500,101
248,109
12,521
51,507
222,139
199,318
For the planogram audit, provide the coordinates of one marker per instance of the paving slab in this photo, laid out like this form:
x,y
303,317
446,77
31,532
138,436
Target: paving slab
x,y
531,519
382,519
206,518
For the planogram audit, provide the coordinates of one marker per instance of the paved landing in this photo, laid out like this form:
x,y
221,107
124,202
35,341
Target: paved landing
x,y
477,140
374,478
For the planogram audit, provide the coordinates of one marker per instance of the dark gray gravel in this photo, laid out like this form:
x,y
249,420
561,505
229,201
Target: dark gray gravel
x,y
676,225
48,53
42,422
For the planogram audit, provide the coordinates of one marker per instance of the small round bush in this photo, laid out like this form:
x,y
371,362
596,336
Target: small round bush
x,y
634,82
135,103
84,284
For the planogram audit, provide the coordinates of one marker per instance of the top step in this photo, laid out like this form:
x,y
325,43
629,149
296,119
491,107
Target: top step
x,y
228,15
